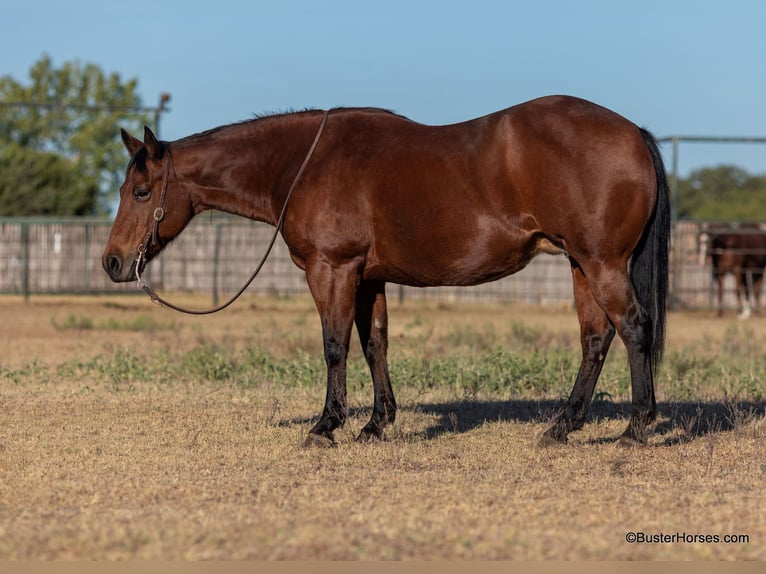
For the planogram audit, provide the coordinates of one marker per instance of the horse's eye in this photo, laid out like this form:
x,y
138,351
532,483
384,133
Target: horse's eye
x,y
141,194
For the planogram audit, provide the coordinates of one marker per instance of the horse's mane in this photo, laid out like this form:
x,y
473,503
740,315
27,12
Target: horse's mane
x,y
138,160
290,112
272,115
279,113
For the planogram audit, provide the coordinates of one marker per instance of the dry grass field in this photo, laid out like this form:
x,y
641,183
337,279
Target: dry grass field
x,y
128,431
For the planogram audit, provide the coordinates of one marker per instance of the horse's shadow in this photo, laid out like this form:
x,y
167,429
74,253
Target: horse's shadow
x,y
678,421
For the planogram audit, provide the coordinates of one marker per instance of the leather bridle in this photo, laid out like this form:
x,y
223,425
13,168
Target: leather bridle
x,y
152,237
157,215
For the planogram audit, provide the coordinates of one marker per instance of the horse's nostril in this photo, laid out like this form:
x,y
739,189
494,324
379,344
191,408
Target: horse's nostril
x,y
113,265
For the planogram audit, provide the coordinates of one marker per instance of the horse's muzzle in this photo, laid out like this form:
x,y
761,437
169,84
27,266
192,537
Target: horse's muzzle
x,y
118,269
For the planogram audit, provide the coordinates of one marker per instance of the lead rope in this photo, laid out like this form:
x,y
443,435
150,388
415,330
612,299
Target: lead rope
x,y
159,212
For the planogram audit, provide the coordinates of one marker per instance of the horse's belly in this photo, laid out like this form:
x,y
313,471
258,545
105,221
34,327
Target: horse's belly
x,y
428,267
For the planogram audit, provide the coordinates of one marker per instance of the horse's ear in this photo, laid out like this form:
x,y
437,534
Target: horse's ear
x,y
154,146
132,144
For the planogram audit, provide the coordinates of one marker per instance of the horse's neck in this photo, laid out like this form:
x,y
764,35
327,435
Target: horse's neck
x,y
237,168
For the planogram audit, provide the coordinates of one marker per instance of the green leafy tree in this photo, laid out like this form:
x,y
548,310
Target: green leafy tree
x,y
60,151
724,192
40,183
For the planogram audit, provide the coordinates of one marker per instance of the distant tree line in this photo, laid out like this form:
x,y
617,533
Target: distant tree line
x,y
725,192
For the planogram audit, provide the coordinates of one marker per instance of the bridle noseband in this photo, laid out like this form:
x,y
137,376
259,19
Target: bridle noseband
x,y
152,237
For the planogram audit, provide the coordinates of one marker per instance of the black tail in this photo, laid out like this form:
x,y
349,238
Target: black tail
x,y
650,261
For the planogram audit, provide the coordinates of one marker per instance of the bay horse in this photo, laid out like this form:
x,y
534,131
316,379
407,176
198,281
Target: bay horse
x,y
385,199
740,252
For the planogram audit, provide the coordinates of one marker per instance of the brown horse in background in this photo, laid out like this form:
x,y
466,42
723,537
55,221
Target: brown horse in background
x,y
741,252
385,199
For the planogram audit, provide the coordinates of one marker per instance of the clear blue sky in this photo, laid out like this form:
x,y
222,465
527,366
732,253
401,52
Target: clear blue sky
x,y
691,67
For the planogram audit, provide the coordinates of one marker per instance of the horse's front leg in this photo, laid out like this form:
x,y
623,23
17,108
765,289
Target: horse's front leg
x,y
334,289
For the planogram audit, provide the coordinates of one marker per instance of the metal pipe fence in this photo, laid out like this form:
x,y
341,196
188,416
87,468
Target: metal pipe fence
x,y
216,254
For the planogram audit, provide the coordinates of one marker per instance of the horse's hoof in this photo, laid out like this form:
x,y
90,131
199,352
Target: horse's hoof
x,y
318,441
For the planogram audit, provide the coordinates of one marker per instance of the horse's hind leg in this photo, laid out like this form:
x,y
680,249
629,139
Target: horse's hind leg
x,y
596,334
614,291
757,287
372,325
744,288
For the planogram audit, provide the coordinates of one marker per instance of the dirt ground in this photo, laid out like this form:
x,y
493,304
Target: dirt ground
x,y
214,470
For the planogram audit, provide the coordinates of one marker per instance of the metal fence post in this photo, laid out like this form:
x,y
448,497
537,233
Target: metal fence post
x,y
25,259
216,258
86,251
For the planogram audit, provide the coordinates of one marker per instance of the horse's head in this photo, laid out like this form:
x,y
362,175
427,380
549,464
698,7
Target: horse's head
x,y
153,208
